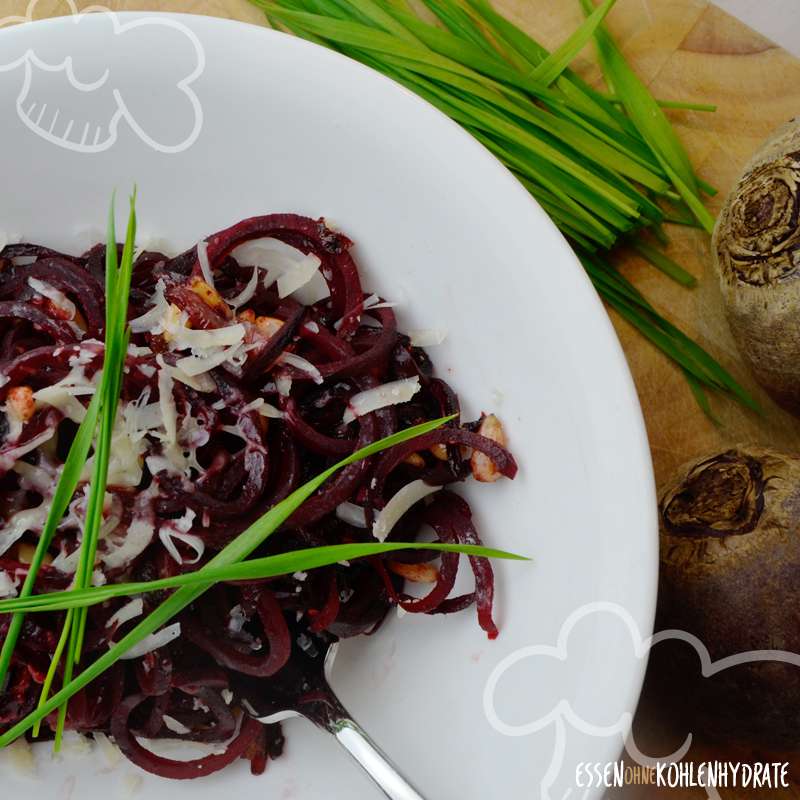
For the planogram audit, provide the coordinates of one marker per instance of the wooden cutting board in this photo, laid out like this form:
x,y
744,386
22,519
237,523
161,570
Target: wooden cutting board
x,y
685,50
690,50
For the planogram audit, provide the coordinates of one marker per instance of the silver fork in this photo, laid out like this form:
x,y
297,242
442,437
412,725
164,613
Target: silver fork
x,y
302,689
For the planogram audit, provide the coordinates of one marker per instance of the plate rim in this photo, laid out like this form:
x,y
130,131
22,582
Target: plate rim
x,y
645,593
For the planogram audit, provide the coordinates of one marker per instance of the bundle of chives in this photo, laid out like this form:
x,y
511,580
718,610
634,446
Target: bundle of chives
x,y
606,169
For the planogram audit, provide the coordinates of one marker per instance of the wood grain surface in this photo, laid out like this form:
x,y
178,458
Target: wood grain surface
x,y
684,50
690,50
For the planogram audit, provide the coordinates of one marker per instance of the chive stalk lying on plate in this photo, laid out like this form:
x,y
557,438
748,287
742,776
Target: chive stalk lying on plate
x,y
251,569
604,168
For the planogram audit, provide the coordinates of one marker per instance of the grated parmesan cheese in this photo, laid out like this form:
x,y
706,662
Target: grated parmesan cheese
x,y
197,365
111,753
15,527
8,585
56,297
131,610
179,529
166,402
133,541
205,267
352,514
427,337
40,479
64,393
283,383
174,725
151,318
302,364
247,293
200,341
264,408
153,642
296,273
387,394
13,454
398,505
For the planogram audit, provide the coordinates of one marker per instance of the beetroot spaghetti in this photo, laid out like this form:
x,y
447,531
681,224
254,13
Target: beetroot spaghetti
x,y
256,360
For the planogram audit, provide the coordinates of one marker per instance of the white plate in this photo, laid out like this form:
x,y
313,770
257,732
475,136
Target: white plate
x,y
264,123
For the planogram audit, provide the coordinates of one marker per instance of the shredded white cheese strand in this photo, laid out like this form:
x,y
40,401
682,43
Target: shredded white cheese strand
x,y
298,362
62,394
166,401
352,514
174,725
14,528
150,319
197,365
131,610
295,272
8,585
153,642
246,293
205,266
390,514
179,529
264,408
387,394
56,297
427,337
11,456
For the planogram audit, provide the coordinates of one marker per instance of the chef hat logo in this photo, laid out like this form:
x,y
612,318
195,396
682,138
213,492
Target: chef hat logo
x,y
79,101
600,630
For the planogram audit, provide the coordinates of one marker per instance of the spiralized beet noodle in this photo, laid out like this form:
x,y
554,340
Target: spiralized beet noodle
x,y
246,375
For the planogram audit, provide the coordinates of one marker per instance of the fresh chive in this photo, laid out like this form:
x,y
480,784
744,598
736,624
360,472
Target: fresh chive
x,y
659,234
459,22
65,489
556,62
373,13
706,188
63,639
650,120
64,642
562,181
692,200
687,354
663,262
701,397
677,104
253,569
507,49
575,89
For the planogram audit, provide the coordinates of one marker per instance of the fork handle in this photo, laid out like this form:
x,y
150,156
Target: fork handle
x,y
372,759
